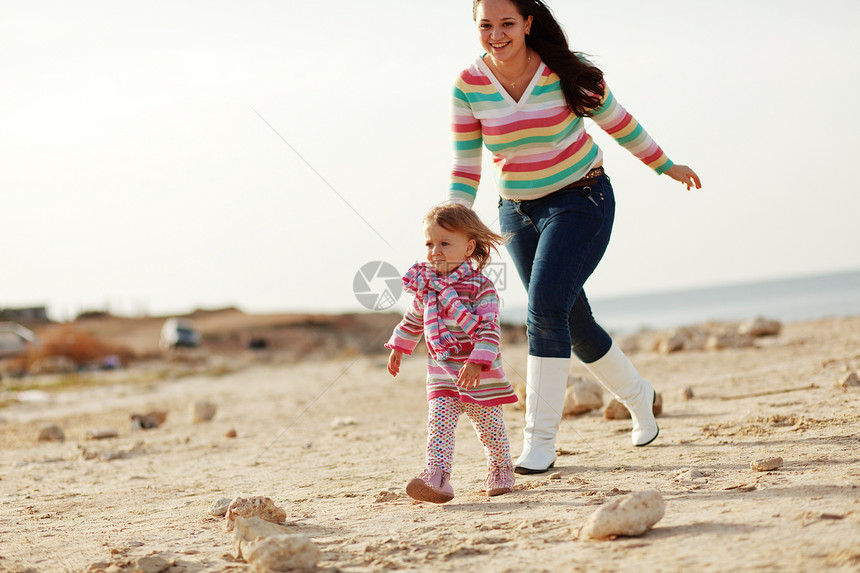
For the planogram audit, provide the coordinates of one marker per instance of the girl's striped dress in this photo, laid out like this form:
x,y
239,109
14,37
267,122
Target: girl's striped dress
x,y
478,294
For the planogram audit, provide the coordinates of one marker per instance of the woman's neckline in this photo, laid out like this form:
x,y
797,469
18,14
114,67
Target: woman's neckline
x,y
485,67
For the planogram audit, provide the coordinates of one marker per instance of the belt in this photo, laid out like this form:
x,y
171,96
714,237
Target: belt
x,y
589,178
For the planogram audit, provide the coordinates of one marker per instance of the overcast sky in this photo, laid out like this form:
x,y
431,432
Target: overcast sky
x,y
163,156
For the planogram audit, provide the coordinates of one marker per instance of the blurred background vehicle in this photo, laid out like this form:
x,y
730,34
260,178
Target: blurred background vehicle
x,y
178,332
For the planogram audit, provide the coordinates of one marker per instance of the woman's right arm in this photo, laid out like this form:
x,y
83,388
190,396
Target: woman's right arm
x,y
467,142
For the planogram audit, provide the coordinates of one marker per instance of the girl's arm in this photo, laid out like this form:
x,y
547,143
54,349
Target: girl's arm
x,y
408,332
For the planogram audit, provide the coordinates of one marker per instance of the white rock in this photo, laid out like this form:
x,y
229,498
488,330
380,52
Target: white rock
x,y
256,506
219,508
630,515
759,326
582,396
201,411
766,464
270,547
344,421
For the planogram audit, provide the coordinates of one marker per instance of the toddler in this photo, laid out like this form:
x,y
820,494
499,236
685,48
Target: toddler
x,y
457,309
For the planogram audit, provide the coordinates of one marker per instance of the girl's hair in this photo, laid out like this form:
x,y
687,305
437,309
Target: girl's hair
x,y
460,219
581,82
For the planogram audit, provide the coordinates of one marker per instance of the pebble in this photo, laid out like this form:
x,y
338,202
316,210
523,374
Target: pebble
x,y
231,433
219,508
148,421
201,411
766,464
850,380
51,433
101,433
687,393
386,495
630,515
343,421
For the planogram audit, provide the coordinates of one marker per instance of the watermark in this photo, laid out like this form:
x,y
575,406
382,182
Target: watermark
x,y
498,275
377,285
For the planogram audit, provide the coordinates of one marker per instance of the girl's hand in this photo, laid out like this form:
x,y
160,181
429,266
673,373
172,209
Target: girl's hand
x,y
394,362
685,175
470,375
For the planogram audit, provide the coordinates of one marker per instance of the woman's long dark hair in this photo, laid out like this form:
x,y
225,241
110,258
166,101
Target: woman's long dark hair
x,y
581,82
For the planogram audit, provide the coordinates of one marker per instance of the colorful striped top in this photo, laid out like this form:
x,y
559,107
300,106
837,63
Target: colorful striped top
x,y
478,294
538,144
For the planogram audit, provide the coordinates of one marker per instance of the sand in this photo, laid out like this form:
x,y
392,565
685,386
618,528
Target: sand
x,y
324,438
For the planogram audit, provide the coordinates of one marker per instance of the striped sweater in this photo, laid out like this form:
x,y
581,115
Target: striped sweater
x,y
538,144
479,296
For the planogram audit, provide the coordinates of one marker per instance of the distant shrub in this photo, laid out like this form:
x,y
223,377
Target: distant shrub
x,y
78,347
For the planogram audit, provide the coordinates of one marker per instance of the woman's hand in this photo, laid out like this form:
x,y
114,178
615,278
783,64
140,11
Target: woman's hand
x,y
470,375
685,175
394,362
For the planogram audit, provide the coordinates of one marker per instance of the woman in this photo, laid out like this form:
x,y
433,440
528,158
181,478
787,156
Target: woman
x,y
525,99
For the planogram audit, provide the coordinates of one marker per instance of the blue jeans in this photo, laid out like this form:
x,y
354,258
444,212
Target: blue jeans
x,y
556,242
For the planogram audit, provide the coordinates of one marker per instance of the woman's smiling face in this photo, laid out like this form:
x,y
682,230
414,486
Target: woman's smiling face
x,y
502,29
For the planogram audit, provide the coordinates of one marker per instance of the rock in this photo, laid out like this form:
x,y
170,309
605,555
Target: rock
x,y
582,396
343,421
630,515
231,433
270,547
766,464
256,506
681,339
850,380
386,495
219,508
556,475
672,342
687,393
148,421
101,433
201,411
759,326
51,433
729,340
154,564
615,410
691,476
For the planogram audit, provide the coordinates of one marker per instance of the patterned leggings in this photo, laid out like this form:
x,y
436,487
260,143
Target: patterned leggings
x,y
488,422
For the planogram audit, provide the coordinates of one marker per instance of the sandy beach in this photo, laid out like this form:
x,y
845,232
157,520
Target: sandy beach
x,y
333,441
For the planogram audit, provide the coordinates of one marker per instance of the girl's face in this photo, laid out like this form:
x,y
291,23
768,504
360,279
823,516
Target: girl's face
x,y
501,28
446,250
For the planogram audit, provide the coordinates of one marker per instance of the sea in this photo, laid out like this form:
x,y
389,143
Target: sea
x,y
787,300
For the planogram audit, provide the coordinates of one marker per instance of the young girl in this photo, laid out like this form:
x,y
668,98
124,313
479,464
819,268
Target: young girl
x,y
456,307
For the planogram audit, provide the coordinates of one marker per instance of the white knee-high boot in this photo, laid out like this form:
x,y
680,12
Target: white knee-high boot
x,y
619,376
546,384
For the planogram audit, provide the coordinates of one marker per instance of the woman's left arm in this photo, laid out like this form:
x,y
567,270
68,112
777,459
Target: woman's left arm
x,y
629,133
